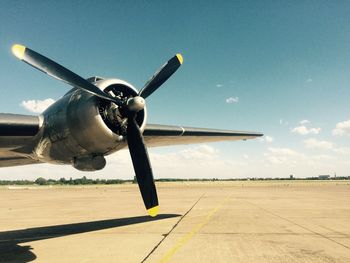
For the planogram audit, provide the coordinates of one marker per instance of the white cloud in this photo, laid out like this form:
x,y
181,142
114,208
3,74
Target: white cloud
x,y
219,85
303,130
322,157
266,138
342,150
196,161
285,161
304,122
283,151
231,100
201,152
309,80
342,128
317,144
37,106
282,155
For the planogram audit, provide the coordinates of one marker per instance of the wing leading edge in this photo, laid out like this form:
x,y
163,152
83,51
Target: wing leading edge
x,y
164,135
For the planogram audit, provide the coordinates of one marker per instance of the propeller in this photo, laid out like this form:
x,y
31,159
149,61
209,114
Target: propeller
x,y
59,72
130,106
142,166
161,75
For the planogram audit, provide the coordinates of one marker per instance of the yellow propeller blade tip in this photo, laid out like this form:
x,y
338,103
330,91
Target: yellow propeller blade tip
x,y
153,211
180,58
18,50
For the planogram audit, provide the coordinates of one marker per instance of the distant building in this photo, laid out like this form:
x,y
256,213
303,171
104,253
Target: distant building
x,y
291,177
324,177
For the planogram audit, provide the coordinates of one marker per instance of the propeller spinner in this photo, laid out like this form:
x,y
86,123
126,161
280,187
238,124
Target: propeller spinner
x,y
130,106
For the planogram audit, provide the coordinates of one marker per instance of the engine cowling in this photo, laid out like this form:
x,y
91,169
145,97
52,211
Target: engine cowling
x,y
80,126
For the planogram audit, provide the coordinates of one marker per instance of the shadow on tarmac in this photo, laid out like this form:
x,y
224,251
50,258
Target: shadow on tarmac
x,y
11,251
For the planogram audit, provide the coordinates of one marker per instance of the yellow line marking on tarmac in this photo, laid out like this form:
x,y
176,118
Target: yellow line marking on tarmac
x,y
194,231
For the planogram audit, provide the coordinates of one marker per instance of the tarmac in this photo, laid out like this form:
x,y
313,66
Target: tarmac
x,y
249,221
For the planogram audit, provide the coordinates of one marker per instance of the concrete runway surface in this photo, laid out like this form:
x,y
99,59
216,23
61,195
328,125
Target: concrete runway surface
x,y
269,221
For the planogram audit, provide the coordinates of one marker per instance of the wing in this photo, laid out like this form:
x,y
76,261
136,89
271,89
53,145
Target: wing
x,y
163,135
17,133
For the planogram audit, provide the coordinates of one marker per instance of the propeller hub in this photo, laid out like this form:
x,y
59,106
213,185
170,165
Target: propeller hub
x,y
136,103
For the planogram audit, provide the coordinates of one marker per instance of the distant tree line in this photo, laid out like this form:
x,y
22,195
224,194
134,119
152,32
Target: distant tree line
x,y
16,182
64,181
78,181
86,181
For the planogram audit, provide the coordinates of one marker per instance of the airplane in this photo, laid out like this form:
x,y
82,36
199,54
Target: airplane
x,y
97,117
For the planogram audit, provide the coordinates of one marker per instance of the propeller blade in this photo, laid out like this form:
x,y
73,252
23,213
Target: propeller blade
x,y
161,75
59,72
142,166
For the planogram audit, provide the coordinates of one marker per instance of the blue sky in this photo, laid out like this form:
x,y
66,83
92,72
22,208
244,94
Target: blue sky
x,y
283,63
